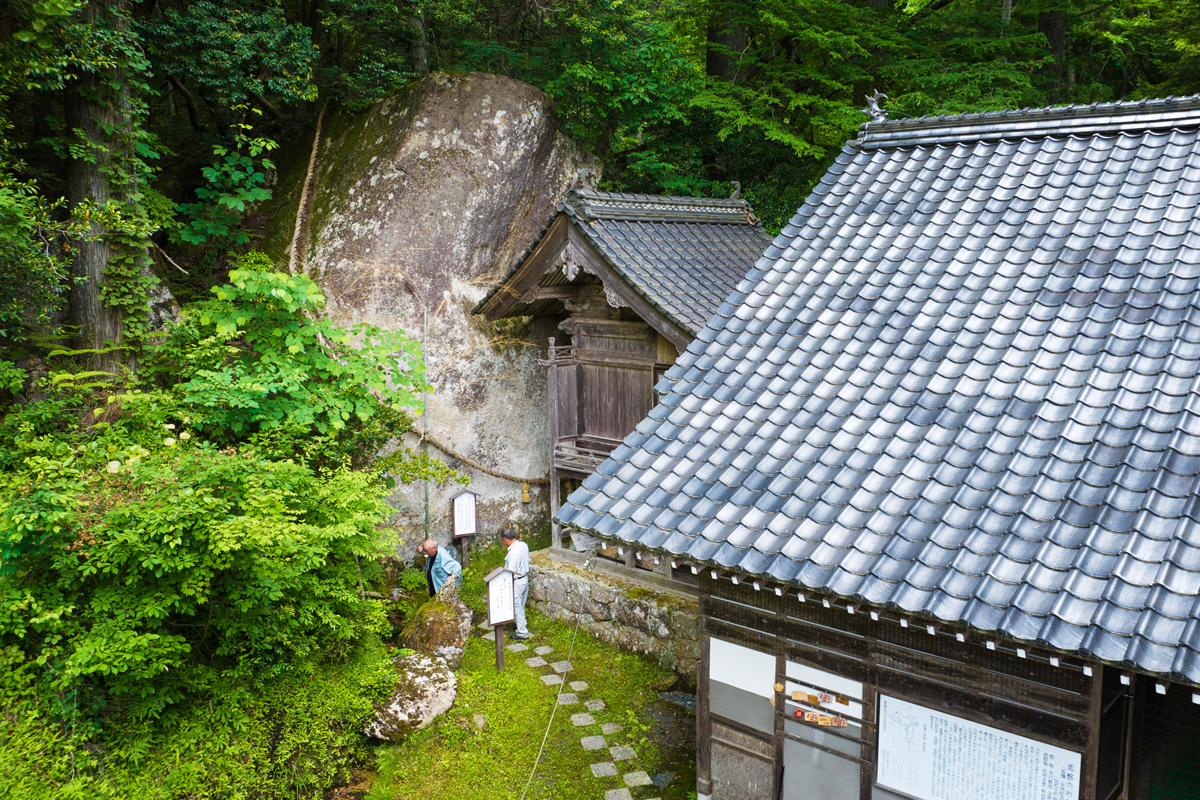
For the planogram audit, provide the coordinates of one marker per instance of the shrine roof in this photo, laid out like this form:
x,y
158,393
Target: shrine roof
x,y
681,255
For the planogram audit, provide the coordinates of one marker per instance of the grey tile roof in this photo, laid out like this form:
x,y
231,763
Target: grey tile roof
x,y
683,255
963,383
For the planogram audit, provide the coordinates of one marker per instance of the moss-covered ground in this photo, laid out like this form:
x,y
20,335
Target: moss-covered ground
x,y
454,758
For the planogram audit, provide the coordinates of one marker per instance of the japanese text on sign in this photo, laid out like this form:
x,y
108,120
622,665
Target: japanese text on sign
x,y
934,756
501,598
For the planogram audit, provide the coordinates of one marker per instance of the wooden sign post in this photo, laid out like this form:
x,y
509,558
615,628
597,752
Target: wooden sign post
x,y
465,520
501,606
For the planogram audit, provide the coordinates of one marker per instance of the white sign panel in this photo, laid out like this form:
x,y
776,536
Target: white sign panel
x,y
501,599
464,514
933,756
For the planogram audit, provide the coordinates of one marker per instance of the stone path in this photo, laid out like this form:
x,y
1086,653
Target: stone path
x,y
616,763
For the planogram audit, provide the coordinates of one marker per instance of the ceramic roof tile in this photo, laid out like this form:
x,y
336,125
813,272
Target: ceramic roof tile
x,y
985,372
683,255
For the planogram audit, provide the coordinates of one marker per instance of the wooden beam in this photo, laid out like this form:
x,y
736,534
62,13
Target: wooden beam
x,y
546,255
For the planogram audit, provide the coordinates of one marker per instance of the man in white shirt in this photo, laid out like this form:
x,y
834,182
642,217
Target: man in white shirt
x,y
517,560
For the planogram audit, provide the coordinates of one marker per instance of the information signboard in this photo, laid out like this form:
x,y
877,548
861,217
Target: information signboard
x,y
501,597
928,755
464,514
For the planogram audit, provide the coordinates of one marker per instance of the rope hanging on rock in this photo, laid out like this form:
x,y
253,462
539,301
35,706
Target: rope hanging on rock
x,y
305,197
495,473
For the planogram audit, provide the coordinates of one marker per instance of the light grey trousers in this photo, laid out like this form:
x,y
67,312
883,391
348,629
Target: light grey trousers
x,y
521,587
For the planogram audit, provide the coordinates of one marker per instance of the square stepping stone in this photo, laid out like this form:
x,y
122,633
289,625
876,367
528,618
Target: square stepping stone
x,y
618,794
518,647
639,778
579,720
605,769
567,698
541,651
593,742
536,661
609,728
551,680
622,752
578,686
560,666
593,705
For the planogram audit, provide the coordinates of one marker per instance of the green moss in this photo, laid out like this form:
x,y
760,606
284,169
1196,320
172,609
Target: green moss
x,y
453,758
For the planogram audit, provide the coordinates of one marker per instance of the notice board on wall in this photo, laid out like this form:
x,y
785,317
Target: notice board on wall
x,y
928,755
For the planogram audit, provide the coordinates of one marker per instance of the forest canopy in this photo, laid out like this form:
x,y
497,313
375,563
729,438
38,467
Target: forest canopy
x,y
130,130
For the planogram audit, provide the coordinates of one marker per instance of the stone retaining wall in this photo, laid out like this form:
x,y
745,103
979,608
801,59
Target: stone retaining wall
x,y
663,626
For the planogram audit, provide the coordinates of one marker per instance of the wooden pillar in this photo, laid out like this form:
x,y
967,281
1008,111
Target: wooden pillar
x,y
703,719
780,706
552,394
1091,758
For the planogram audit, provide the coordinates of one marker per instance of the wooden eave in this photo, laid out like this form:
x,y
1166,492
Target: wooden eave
x,y
538,287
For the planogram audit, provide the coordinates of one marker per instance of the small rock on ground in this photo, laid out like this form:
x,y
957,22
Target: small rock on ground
x,y
610,728
639,778
618,794
541,651
551,680
536,661
592,705
579,720
593,742
578,686
622,752
605,769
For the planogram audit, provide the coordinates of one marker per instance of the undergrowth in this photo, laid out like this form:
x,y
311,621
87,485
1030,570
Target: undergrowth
x,y
291,736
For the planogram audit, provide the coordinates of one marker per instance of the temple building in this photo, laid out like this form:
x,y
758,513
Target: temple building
x,y
935,468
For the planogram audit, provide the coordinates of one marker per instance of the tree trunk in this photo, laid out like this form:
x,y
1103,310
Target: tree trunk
x,y
99,108
724,32
1054,25
420,52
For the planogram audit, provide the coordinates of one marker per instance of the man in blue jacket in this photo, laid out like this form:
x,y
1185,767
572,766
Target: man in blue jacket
x,y
439,566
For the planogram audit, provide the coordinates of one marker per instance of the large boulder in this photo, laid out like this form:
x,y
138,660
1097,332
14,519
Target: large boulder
x,y
440,627
420,204
425,689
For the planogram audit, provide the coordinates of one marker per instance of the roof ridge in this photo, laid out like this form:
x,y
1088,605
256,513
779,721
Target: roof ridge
x,y
592,204
1071,120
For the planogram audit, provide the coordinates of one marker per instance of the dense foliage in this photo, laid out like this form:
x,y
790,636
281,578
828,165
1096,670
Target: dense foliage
x,y
201,532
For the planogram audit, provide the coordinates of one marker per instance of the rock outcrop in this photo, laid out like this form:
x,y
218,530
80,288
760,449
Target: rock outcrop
x,y
419,204
425,689
440,627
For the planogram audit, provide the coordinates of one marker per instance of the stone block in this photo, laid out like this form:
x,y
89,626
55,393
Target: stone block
x,y
639,778
622,752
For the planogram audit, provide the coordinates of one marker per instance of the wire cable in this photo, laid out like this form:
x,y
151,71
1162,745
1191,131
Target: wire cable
x,y
567,671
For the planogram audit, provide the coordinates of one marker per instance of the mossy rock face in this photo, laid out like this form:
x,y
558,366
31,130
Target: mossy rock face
x,y
420,204
425,689
440,627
